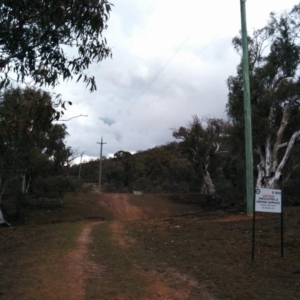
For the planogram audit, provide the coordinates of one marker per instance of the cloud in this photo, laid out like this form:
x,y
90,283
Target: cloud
x,y
108,121
142,94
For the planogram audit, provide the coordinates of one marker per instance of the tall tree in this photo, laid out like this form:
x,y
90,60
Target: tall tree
x,y
34,36
275,96
201,140
28,136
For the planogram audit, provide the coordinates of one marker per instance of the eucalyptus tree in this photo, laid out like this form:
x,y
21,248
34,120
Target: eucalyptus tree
x,y
35,36
28,138
202,141
275,97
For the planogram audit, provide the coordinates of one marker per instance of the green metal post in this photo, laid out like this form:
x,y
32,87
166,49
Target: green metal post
x,y
247,112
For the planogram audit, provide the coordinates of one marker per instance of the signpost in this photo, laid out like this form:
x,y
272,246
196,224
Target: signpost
x,y
267,200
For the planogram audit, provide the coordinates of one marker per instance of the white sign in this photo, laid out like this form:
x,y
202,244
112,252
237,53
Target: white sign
x,y
267,200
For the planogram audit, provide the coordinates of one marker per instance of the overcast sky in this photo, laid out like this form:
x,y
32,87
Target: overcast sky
x,y
171,60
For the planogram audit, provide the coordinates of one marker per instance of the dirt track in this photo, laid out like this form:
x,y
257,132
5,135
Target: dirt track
x,y
79,264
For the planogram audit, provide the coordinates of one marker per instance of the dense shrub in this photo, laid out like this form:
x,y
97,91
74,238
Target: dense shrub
x,y
53,187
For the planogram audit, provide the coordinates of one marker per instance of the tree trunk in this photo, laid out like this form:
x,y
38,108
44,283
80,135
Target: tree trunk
x,y
2,220
208,187
270,174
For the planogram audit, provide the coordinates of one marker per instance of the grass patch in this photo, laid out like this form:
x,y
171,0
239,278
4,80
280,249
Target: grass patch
x,y
159,206
75,207
32,257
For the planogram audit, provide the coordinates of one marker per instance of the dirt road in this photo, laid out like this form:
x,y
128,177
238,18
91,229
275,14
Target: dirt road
x,y
92,259
122,211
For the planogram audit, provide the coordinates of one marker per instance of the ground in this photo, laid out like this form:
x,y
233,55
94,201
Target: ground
x,y
121,246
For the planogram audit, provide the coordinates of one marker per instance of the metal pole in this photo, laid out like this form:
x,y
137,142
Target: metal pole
x,y
100,163
247,113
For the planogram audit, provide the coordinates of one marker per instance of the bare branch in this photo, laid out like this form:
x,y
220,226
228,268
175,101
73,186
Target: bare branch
x,y
289,148
72,118
278,145
284,145
281,146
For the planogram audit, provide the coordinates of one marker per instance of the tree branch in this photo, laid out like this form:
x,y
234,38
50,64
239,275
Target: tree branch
x,y
289,148
72,118
279,135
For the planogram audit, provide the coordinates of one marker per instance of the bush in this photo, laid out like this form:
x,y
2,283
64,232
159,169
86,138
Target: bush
x,y
229,194
142,184
53,187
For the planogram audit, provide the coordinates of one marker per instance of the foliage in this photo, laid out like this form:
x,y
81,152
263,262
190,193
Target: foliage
x,y
53,186
202,142
34,36
30,144
160,169
275,85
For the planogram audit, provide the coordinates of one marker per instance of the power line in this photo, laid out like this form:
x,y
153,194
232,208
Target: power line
x,y
165,65
184,69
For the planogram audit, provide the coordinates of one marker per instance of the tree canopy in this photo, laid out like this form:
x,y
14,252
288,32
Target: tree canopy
x,y
275,99
34,37
202,142
30,144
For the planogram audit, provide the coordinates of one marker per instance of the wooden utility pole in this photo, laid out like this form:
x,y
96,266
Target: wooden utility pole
x,y
80,166
100,163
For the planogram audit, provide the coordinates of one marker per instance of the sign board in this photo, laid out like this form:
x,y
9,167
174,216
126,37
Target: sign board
x,y
268,200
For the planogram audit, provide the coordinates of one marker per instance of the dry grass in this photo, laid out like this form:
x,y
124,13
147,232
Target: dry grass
x,y
75,207
215,248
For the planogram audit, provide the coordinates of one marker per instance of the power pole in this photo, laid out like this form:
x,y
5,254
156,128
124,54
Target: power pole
x,y
80,166
100,163
247,113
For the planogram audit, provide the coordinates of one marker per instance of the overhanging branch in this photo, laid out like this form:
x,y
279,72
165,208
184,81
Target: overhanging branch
x,y
72,118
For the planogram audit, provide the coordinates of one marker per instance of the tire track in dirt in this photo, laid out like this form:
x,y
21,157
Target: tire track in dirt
x,y
158,289
120,208
79,267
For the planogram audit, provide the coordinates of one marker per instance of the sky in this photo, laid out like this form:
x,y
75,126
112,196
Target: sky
x,y
171,60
